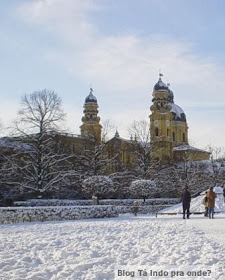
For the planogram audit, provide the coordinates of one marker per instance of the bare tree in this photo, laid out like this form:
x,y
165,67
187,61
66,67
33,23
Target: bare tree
x,y
140,131
40,113
107,127
217,159
37,163
94,159
186,172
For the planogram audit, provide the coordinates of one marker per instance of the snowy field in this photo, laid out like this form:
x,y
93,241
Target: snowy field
x,y
114,248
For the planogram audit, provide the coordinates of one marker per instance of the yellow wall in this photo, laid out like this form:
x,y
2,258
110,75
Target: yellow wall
x,y
166,132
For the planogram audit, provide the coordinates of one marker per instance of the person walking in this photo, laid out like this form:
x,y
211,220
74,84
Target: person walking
x,y
186,201
205,203
211,195
135,207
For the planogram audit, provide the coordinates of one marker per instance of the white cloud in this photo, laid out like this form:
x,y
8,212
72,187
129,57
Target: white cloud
x,y
66,18
125,61
124,67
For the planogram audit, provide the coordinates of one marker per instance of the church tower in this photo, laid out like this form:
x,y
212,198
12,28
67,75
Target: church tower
x,y
91,126
168,125
160,122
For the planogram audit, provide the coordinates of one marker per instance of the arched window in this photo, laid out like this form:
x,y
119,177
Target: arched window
x,y
156,131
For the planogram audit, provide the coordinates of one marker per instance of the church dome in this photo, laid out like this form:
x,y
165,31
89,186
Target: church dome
x,y
177,112
160,85
170,96
91,98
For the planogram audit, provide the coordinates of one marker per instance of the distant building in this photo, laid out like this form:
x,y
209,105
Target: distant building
x,y
168,130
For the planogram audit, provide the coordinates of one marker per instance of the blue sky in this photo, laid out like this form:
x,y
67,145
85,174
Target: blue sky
x,y
118,47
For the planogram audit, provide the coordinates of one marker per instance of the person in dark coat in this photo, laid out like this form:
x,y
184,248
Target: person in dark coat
x,y
186,201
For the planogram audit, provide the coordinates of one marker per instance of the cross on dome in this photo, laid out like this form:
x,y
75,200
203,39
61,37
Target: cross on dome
x,y
91,98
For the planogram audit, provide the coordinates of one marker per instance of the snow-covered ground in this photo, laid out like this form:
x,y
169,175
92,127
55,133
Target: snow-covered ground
x,y
107,248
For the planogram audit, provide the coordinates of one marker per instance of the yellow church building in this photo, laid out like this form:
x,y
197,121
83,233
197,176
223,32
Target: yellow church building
x,y
168,130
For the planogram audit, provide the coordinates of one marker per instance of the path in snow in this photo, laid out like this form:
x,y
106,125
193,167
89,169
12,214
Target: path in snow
x,y
93,249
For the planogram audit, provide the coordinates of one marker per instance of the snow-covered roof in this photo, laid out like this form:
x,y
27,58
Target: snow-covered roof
x,y
187,148
8,143
170,96
176,109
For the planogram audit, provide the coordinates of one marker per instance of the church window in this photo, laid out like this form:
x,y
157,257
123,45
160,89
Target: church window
x,y
156,131
174,138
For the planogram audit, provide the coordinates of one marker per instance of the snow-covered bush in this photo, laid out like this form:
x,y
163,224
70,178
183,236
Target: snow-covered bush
x,y
88,202
49,213
143,188
101,186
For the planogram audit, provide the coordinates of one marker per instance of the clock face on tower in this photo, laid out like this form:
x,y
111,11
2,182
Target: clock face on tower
x,y
156,123
167,122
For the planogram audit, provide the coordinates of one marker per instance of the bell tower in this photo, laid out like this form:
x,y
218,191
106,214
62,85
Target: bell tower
x,y
160,122
91,127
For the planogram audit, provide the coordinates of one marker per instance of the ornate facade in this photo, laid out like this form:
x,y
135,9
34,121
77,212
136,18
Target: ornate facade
x,y
168,130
